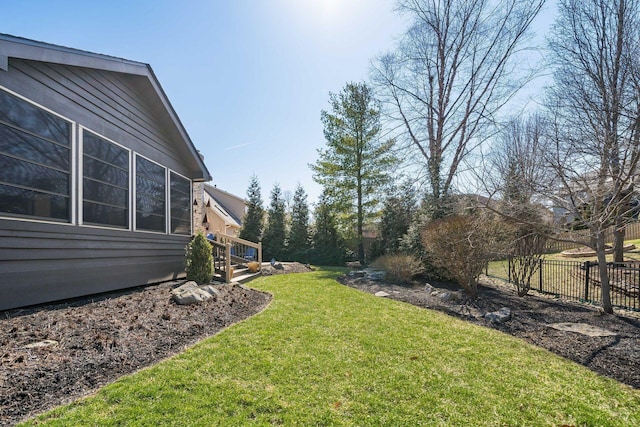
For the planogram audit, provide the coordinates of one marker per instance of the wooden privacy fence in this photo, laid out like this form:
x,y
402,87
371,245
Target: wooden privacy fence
x,y
632,232
581,281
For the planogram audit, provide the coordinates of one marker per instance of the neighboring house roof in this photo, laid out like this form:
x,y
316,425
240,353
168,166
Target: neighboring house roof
x,y
21,48
231,216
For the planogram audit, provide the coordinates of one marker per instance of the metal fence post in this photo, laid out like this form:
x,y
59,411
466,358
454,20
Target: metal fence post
x,y
540,274
587,269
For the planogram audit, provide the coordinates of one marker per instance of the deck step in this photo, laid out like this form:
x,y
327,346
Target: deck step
x,y
247,277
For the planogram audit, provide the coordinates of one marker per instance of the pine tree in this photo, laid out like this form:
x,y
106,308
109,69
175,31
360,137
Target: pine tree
x,y
327,245
299,243
275,233
199,262
400,206
252,222
356,165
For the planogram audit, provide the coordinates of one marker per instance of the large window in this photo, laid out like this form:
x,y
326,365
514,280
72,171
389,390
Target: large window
x,y
35,161
105,182
180,196
150,196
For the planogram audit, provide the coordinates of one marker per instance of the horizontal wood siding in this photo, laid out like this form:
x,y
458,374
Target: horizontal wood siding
x,y
108,103
42,262
45,262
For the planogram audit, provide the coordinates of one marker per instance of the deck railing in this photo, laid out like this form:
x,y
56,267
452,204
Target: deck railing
x,y
229,250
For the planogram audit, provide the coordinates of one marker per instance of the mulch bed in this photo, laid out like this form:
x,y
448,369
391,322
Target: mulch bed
x,y
102,338
615,357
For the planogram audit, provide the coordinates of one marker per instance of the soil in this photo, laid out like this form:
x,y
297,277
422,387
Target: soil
x,y
95,340
613,356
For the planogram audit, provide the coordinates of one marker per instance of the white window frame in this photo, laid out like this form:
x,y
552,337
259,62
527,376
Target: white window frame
x,y
80,180
73,172
135,201
169,171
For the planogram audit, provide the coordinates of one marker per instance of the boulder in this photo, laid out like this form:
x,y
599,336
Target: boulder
x,y
499,316
189,293
376,275
211,290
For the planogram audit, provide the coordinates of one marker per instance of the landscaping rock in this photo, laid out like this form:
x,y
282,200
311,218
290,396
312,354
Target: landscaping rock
x,y
189,293
42,344
355,274
445,296
211,290
376,275
584,329
382,294
499,316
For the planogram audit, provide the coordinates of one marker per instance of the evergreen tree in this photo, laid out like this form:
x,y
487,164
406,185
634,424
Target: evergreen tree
x,y
327,246
356,164
400,206
299,234
252,222
275,234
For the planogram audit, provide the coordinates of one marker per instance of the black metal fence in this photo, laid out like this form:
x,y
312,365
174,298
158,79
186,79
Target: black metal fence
x,y
581,281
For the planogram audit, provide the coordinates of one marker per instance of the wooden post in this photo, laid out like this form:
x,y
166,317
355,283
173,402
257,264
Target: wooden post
x,y
259,255
227,257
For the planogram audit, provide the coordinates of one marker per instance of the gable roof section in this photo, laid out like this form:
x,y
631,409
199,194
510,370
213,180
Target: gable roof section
x,y
224,212
22,48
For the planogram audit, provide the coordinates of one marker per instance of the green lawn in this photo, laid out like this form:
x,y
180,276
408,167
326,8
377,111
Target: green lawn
x,y
325,354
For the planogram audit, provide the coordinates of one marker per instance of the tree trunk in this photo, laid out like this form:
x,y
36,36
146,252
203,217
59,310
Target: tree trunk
x,y
604,273
618,240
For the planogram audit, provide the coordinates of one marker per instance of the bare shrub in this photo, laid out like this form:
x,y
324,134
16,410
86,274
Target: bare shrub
x,y
400,268
524,258
462,245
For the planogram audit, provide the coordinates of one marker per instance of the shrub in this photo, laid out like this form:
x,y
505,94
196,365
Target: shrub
x,y
524,258
400,268
199,262
462,246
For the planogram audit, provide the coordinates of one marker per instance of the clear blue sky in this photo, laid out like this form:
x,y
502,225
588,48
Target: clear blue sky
x,y
248,78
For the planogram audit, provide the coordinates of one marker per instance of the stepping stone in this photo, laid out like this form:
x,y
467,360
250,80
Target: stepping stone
x,y
584,329
382,294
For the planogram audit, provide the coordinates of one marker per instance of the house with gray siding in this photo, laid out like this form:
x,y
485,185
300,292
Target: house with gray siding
x,y
96,175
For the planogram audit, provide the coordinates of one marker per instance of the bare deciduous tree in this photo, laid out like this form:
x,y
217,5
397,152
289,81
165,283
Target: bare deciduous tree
x,y
452,71
595,106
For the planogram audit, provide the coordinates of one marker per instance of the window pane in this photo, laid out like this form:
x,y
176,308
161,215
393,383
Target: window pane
x,y
24,115
180,204
20,201
105,193
103,214
35,161
149,205
105,183
36,177
150,196
149,222
101,171
99,148
28,147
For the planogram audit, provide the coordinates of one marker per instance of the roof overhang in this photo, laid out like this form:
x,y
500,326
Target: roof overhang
x,y
21,48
